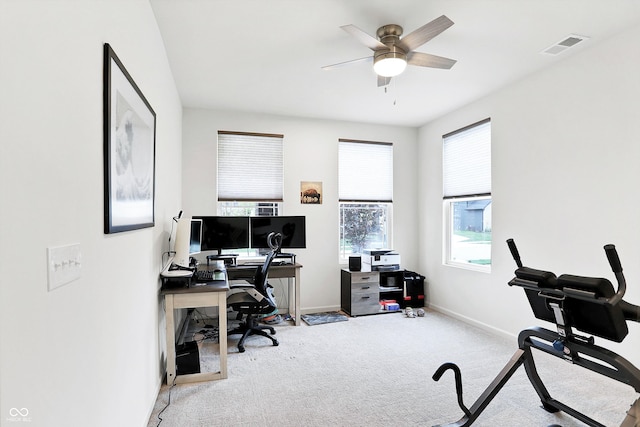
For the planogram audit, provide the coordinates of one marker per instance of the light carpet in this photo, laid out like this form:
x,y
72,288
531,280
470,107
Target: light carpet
x,y
376,371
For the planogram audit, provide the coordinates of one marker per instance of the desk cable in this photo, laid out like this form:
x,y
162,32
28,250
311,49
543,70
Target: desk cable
x,y
168,402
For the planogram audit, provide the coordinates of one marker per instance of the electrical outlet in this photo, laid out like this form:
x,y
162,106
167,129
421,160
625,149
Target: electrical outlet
x,y
63,265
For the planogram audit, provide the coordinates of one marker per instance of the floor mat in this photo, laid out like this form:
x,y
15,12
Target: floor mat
x,y
321,318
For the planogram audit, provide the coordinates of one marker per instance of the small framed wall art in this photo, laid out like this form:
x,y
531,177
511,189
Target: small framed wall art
x,y
129,150
311,192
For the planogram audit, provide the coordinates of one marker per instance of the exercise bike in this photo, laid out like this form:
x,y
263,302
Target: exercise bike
x,y
587,304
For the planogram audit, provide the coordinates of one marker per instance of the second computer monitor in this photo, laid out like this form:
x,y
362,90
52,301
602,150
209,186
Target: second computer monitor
x,y
292,229
224,232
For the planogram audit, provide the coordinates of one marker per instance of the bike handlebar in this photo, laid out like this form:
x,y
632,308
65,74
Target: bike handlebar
x,y
612,256
616,266
514,252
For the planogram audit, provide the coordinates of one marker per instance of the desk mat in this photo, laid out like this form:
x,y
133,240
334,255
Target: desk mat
x,y
325,317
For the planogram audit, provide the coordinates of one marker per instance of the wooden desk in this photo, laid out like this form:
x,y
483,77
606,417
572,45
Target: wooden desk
x,y
284,271
213,294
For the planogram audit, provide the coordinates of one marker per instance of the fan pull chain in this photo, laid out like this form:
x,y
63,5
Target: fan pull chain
x,y
395,92
386,90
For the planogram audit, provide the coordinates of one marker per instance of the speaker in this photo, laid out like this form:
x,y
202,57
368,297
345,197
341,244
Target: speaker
x,y
355,263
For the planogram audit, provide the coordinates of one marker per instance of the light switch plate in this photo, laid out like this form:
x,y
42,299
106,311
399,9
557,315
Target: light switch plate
x,y
64,265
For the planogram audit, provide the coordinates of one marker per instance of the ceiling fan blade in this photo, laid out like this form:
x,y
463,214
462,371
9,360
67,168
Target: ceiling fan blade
x,y
364,38
342,64
383,81
423,34
427,60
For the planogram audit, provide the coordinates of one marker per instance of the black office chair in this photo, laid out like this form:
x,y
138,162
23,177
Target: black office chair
x,y
256,299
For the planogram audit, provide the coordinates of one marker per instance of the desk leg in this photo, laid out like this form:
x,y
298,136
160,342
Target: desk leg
x,y
295,290
222,332
171,339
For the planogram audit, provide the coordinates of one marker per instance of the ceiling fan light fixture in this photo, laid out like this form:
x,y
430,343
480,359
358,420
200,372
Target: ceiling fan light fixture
x,y
390,63
389,67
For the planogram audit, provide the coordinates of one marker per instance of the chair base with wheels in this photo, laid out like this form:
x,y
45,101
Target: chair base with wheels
x,y
243,302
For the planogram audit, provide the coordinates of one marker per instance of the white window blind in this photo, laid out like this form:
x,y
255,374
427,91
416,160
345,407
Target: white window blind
x,y
467,161
365,171
250,167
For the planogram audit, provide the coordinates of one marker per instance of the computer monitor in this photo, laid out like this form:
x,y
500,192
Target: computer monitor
x,y
188,240
224,232
292,229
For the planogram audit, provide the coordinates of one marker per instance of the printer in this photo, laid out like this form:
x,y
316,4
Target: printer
x,y
381,259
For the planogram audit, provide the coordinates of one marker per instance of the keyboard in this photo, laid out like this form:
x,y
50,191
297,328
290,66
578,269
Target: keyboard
x,y
204,275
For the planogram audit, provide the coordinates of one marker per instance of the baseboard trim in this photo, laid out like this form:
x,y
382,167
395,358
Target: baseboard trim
x,y
473,322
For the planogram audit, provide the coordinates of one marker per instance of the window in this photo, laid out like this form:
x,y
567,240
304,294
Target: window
x,y
365,184
250,167
467,196
250,175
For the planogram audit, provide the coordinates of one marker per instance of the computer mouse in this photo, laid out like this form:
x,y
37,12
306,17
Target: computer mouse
x,y
217,270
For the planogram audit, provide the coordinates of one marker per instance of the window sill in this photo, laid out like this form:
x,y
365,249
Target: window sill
x,y
468,266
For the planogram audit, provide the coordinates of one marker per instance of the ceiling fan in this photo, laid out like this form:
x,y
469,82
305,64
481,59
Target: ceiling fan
x,y
391,54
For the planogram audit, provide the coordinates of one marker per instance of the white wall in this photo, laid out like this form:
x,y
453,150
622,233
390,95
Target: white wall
x,y
310,154
90,352
565,177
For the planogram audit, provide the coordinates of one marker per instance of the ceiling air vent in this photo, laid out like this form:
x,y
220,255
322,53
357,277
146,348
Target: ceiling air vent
x,y
568,42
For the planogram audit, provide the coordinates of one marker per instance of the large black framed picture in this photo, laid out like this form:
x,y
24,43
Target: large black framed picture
x,y
129,150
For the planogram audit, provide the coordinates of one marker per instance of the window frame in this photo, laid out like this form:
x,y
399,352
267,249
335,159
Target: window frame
x,y
456,196
251,203
388,212
447,235
347,182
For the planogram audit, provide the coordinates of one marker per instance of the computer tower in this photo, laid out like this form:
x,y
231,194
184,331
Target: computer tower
x,y
187,358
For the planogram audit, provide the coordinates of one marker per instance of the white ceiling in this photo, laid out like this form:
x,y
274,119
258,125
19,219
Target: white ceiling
x,y
265,55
